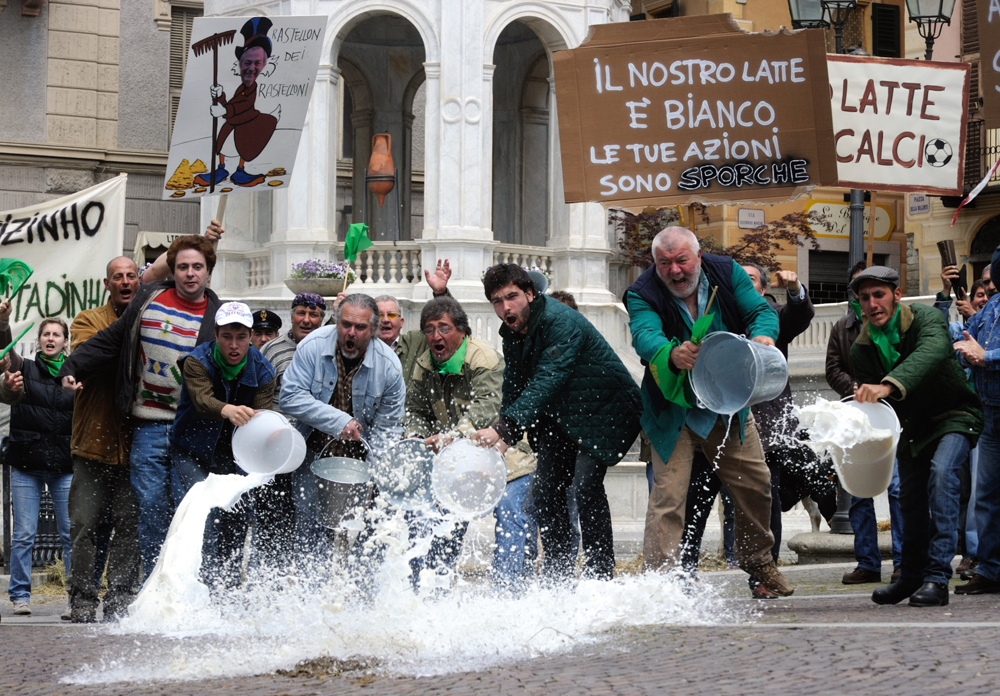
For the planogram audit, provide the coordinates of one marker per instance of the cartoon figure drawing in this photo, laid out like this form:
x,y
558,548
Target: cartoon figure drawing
x,y
251,130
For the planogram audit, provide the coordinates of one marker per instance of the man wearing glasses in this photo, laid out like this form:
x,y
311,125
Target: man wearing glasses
x,y
411,345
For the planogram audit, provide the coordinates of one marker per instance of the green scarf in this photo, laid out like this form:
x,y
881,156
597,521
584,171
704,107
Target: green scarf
x,y
452,365
53,365
229,372
885,340
856,306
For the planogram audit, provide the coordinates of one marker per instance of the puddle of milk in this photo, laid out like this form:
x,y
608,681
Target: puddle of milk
x,y
182,632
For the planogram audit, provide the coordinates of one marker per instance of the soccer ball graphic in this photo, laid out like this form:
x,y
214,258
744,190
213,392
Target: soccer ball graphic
x,y
937,152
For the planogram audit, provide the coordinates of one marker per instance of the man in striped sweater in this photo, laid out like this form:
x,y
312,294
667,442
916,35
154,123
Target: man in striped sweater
x,y
165,321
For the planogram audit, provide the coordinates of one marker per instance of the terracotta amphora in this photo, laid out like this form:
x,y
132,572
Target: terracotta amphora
x,y
381,171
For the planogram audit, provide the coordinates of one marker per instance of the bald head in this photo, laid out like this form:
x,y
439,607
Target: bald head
x,y
121,282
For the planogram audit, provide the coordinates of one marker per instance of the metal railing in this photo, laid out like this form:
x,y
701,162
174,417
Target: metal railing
x,y
982,148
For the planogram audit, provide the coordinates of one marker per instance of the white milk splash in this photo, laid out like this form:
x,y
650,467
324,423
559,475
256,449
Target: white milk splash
x,y
836,426
182,632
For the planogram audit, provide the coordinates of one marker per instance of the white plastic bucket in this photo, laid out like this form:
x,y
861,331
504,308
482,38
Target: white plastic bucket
x,y
468,479
268,444
732,373
865,469
403,476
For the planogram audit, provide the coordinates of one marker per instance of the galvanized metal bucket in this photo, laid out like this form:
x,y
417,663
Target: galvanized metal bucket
x,y
344,489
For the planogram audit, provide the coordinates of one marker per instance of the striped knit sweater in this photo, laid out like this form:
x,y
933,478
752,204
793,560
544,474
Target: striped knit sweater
x,y
168,330
279,353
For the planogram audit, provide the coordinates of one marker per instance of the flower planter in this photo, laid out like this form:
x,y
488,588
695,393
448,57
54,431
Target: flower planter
x,y
327,287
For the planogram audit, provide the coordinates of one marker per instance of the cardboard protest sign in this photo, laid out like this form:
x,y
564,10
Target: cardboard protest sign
x,y
68,242
244,102
899,125
989,60
674,111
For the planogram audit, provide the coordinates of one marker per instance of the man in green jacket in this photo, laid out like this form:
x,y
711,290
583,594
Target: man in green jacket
x,y
904,354
663,305
567,388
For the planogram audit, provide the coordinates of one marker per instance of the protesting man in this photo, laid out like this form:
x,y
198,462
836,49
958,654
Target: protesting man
x,y
565,387
663,305
904,355
454,390
979,351
225,382
341,386
164,321
840,377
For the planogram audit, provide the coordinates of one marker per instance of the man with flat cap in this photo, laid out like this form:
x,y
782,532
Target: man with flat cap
x,y
904,355
266,326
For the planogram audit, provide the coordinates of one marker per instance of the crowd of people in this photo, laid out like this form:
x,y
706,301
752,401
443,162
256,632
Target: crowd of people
x,y
146,403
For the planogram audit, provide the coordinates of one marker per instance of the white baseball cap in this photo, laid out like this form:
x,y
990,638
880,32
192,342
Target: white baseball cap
x,y
234,313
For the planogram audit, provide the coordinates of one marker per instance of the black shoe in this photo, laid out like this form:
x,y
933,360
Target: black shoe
x,y
894,593
930,594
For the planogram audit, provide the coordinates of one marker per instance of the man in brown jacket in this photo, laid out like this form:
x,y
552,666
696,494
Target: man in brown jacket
x,y
101,488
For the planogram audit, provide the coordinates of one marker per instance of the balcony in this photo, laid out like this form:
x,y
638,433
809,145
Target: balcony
x,y
982,148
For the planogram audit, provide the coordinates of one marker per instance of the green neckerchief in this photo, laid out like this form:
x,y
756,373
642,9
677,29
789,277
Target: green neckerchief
x,y
856,306
452,365
885,340
674,385
53,365
229,372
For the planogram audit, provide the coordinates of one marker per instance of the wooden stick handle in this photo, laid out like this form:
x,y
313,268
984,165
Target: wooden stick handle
x,y
347,272
710,299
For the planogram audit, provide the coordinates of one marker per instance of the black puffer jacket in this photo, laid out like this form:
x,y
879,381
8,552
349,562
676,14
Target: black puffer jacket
x,y
41,424
562,374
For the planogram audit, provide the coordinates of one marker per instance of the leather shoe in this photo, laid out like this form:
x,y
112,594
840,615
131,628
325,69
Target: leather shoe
x,y
930,594
979,585
894,593
860,576
895,573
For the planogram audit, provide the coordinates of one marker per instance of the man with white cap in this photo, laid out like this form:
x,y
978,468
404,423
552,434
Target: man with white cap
x,y
225,382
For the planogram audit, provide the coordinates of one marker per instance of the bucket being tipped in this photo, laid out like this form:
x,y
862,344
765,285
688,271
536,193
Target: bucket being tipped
x,y
268,444
343,490
865,469
732,373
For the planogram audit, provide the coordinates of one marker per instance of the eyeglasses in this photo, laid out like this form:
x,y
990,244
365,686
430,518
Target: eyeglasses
x,y
391,316
443,330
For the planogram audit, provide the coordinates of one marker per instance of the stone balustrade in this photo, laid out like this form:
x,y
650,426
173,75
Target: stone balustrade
x,y
258,270
525,256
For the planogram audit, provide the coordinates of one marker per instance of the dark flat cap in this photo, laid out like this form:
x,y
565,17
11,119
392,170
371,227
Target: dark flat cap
x,y
882,274
263,319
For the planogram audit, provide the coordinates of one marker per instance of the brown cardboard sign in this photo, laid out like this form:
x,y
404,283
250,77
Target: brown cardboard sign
x,y
674,111
989,60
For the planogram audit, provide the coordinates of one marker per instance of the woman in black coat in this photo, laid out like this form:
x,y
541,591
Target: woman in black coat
x,y
38,452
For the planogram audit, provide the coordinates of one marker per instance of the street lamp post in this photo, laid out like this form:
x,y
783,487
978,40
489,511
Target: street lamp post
x,y
930,16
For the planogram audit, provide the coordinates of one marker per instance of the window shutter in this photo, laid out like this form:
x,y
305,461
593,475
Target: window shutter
x,y
885,31
181,22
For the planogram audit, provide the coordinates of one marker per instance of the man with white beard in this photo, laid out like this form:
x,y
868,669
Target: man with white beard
x,y
663,305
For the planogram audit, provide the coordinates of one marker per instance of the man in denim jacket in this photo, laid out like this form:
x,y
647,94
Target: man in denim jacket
x,y
341,386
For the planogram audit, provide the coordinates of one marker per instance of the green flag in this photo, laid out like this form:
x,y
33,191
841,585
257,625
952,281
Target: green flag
x,y
13,274
357,240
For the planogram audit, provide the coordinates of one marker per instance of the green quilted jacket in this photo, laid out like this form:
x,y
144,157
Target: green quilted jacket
x,y
563,374
933,397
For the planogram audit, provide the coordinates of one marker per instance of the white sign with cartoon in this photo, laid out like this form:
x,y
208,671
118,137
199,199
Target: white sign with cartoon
x,y
244,102
899,125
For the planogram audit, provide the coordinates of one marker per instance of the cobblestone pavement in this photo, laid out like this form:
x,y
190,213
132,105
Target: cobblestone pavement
x,y
827,639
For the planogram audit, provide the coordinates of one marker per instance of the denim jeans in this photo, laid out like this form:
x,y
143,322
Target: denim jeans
x,y
225,530
930,482
988,496
26,496
865,526
152,480
971,530
515,531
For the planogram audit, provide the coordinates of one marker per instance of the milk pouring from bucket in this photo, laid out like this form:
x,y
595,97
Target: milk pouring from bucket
x,y
268,444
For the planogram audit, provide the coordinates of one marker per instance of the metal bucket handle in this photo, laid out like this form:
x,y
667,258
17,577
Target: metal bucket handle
x,y
337,439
